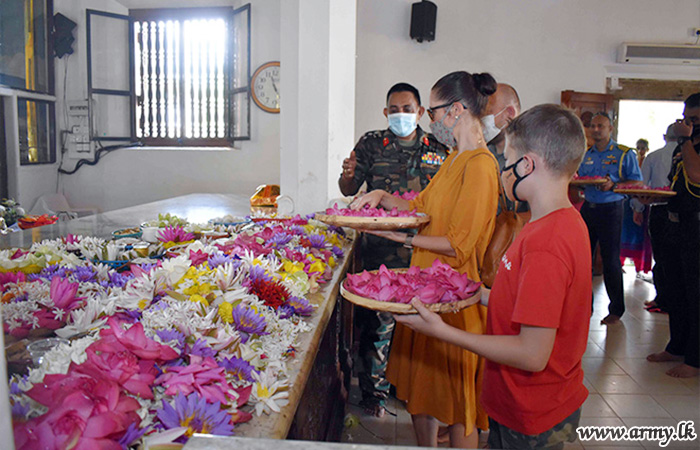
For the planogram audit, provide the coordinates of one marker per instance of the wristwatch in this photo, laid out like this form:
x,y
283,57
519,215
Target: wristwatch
x,y
682,139
409,240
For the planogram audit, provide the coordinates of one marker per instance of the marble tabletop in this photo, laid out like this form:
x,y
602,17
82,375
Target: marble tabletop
x,y
197,208
208,442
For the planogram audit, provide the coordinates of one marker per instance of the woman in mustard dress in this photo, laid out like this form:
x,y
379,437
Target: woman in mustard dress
x,y
439,381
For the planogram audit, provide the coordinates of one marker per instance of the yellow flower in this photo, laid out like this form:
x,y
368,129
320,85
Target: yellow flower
x,y
143,303
226,312
199,298
331,262
333,239
317,267
292,267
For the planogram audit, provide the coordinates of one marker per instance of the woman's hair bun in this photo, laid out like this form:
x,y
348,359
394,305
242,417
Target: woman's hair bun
x,y
485,83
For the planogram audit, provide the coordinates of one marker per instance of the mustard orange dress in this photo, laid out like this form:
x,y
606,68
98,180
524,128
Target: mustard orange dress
x,y
433,377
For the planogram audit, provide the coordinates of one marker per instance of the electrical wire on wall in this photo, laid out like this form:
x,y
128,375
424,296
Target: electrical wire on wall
x,y
101,150
98,154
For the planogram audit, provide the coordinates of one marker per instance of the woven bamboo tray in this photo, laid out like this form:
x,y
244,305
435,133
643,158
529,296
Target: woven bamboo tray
x,y
374,223
584,183
407,308
645,192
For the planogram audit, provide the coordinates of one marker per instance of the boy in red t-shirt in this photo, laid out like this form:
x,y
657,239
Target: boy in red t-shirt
x,y
540,304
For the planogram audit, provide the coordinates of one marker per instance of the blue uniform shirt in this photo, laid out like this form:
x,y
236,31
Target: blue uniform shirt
x,y
617,162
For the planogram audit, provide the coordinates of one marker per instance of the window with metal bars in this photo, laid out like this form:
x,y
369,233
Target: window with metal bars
x,y
191,75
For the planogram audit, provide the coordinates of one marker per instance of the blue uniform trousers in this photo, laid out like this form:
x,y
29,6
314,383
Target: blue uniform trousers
x,y
604,222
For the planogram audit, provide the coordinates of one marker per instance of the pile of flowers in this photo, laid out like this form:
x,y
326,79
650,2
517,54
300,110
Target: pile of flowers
x,y
642,187
369,212
587,178
439,283
193,343
408,195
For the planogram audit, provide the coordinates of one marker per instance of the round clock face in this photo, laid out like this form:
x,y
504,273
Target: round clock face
x,y
266,85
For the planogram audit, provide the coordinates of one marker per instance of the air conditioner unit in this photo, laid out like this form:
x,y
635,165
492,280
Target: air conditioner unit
x,y
674,54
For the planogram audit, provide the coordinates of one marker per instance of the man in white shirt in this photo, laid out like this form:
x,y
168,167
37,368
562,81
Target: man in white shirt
x,y
655,170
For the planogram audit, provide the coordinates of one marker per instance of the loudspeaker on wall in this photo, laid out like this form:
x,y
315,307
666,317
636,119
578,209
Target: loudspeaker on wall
x,y
63,35
423,19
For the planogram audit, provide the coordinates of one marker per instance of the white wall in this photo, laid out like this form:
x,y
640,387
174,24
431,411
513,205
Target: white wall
x,y
541,47
133,176
317,98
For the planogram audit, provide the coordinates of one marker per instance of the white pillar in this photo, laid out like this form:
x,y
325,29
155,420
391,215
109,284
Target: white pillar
x,y
317,98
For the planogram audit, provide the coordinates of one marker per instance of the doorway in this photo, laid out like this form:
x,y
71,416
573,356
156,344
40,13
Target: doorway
x,y
646,119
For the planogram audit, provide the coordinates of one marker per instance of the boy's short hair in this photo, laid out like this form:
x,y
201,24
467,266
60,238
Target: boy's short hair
x,y
551,131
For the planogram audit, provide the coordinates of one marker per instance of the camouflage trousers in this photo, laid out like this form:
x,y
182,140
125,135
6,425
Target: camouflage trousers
x,y
377,328
375,343
501,436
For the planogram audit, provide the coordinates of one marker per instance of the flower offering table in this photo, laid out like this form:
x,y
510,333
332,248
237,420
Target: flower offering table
x,y
317,368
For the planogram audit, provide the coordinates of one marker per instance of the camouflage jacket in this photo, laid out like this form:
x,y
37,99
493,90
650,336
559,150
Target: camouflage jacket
x,y
384,164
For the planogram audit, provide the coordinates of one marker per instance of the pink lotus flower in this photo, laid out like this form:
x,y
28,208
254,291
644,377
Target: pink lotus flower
x,y
198,257
202,375
174,234
63,293
245,243
84,413
18,254
115,338
11,277
408,195
369,212
122,367
439,283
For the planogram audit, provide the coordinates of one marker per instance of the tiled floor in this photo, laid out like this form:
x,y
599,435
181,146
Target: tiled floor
x,y
625,389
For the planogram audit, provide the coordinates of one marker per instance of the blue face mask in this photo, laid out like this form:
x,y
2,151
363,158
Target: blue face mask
x,y
402,124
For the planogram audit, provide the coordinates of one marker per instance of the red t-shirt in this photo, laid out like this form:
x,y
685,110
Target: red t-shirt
x,y
543,280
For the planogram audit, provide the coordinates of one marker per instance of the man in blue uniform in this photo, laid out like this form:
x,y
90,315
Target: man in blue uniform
x,y
602,210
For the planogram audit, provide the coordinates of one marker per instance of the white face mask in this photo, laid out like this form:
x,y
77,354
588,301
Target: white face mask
x,y
402,124
488,123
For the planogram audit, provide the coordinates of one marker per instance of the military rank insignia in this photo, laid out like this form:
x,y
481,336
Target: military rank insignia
x,y
432,158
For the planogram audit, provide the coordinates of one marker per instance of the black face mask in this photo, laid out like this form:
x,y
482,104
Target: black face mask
x,y
518,177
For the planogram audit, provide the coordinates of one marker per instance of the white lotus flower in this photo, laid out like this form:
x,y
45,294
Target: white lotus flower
x,y
270,393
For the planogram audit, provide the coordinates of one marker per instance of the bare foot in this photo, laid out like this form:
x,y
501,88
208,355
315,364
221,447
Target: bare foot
x,y
443,435
373,408
683,371
610,319
663,357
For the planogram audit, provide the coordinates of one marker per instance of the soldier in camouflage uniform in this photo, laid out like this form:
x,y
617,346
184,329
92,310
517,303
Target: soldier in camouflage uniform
x,y
400,159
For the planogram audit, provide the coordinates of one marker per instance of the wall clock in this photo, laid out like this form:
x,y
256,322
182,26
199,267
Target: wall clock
x,y
265,85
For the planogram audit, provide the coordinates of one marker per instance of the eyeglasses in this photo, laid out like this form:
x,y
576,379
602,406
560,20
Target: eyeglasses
x,y
431,111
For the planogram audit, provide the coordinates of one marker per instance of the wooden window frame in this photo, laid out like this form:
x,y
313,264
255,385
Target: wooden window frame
x,y
181,14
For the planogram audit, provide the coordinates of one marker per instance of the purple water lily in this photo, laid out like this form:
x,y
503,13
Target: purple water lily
x,y
84,274
278,240
299,305
238,367
198,416
218,260
172,335
337,251
119,279
317,241
258,272
248,322
201,348
131,435
297,230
